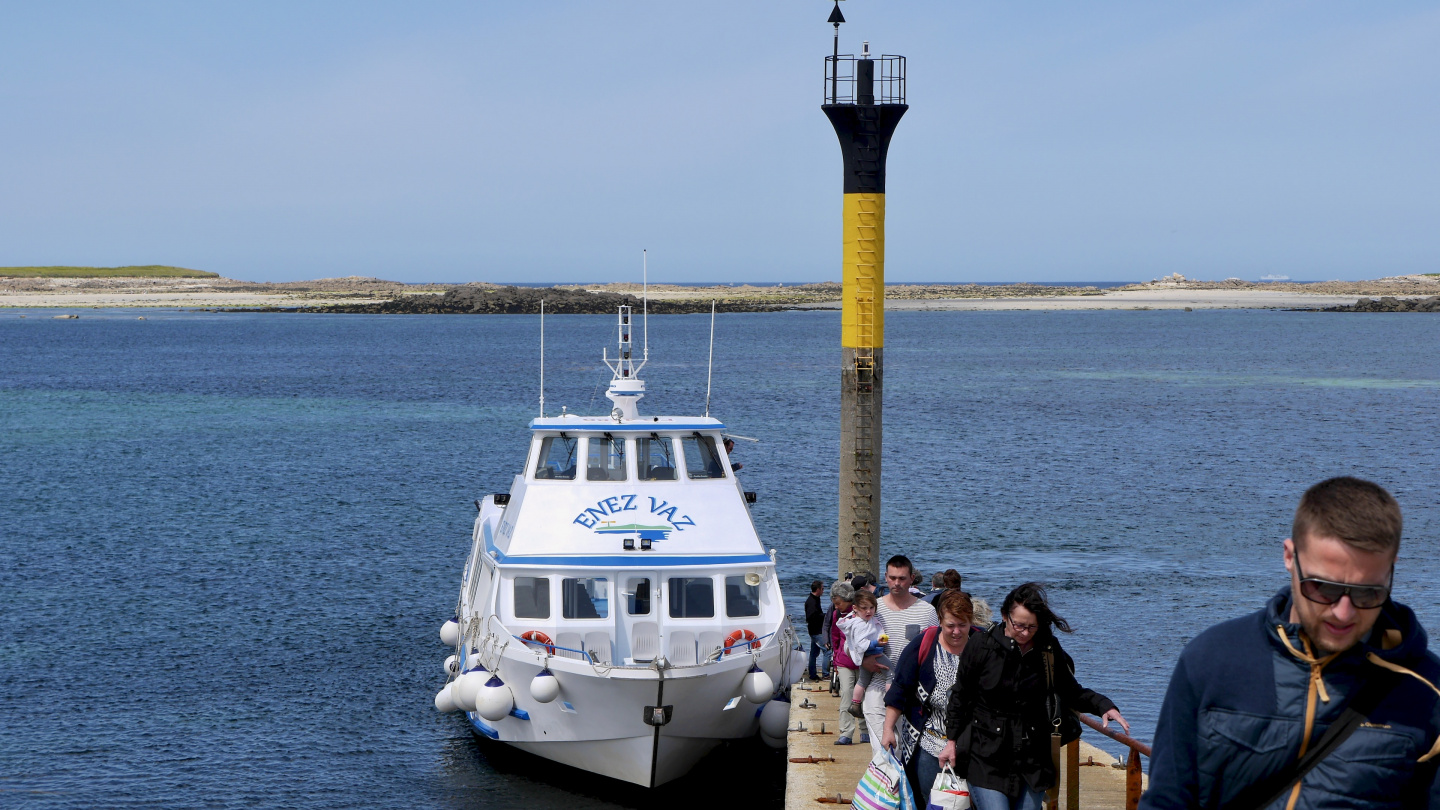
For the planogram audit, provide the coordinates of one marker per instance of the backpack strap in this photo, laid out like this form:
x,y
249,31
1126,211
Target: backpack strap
x,y
1273,788
927,642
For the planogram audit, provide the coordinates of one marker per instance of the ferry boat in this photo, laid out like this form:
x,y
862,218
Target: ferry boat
x,y
618,612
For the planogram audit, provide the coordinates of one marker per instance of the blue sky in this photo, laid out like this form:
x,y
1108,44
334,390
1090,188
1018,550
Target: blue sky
x,y
551,141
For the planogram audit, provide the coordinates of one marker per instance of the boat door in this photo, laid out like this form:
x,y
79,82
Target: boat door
x,y
638,626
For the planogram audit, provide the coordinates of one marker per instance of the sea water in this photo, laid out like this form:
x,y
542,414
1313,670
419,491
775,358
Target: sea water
x,y
227,541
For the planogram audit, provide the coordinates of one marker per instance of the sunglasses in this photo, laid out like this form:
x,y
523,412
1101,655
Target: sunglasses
x,y
1363,597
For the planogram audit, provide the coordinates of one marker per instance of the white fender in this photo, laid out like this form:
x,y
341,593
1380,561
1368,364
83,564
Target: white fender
x,y
545,687
450,633
757,686
494,701
467,687
444,702
775,719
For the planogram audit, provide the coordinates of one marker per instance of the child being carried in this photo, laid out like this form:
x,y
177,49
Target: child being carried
x,y
865,639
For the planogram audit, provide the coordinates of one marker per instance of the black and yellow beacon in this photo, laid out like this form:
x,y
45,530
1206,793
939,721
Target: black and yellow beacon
x,y
864,99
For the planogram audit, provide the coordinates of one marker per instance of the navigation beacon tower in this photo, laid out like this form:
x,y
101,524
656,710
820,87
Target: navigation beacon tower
x,y
864,99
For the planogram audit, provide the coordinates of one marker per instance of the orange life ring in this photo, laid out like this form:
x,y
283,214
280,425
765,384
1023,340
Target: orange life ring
x,y
736,637
539,638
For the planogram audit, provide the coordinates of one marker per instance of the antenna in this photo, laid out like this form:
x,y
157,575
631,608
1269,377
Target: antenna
x,y
709,372
645,305
542,358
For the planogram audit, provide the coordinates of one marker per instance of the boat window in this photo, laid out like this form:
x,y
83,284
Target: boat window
x,y
702,460
532,598
655,459
741,599
692,598
557,458
637,593
607,459
587,598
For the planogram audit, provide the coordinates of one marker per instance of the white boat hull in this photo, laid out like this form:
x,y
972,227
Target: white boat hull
x,y
598,723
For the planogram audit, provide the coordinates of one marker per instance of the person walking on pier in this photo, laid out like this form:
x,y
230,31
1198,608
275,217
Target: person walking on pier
x,y
905,617
1326,697
842,596
1014,688
921,689
814,623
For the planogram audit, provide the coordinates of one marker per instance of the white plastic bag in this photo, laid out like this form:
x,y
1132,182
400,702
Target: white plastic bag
x,y
949,792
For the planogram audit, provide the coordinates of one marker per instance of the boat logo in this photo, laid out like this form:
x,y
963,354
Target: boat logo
x,y
643,532
599,517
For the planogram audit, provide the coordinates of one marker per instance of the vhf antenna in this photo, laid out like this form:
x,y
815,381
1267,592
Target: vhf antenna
x,y
710,367
645,306
542,358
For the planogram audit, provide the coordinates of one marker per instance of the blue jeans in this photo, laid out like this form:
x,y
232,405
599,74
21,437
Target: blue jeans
x,y
987,799
817,650
927,767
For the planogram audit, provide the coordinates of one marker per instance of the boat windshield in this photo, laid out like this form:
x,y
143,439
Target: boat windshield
x,y
607,460
587,598
741,599
532,598
692,598
557,458
655,459
702,460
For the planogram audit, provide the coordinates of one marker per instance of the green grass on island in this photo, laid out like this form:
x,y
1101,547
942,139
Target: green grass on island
x,y
133,271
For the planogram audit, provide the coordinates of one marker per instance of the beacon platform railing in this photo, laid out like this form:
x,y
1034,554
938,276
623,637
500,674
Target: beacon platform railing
x,y
880,80
1134,770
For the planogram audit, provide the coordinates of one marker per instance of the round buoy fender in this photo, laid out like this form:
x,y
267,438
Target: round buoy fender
x,y
539,638
494,700
466,687
445,699
757,686
775,719
450,633
544,687
736,637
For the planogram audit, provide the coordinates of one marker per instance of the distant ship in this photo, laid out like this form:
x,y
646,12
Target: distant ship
x,y
1274,278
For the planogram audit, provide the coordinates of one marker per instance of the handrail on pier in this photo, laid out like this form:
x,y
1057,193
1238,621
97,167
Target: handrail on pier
x,y
1134,772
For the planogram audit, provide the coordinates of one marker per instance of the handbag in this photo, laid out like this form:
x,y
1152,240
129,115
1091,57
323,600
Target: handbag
x,y
949,792
883,786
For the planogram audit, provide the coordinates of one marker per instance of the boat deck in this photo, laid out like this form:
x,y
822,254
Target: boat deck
x,y
809,784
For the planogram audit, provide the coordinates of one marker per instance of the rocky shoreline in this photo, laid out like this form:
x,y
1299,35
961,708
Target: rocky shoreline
x,y
1391,304
488,300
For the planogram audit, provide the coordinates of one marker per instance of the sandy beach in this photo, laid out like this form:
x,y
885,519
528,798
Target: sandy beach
x,y
1138,299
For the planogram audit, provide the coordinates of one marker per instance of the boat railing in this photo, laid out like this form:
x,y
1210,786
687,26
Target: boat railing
x,y
578,655
1134,769
724,651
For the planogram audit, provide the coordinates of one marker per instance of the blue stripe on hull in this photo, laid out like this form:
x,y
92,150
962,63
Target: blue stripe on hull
x,y
480,726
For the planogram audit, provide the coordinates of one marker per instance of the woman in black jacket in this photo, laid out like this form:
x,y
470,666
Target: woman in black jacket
x,y
1000,716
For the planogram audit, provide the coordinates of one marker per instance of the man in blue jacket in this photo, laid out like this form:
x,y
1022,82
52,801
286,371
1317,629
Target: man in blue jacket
x,y
1251,696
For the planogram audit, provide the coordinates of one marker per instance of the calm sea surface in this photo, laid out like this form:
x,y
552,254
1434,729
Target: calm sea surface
x,y
227,541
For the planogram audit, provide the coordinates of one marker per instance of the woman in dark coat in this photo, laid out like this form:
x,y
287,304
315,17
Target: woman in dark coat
x,y
999,719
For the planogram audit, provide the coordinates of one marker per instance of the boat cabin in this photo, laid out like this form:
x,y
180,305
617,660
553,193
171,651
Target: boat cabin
x,y
628,540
